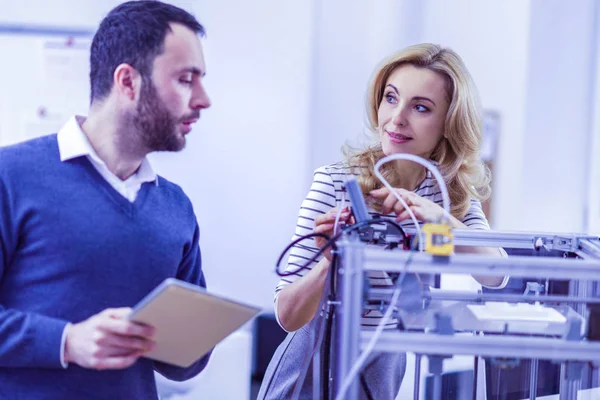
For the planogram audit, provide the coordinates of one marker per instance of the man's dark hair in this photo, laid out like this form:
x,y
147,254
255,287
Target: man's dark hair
x,y
133,33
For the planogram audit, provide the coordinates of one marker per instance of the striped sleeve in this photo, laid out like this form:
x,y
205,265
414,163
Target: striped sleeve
x,y
475,218
320,199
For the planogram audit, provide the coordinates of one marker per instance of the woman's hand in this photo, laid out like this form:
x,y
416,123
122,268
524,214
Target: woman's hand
x,y
324,223
424,210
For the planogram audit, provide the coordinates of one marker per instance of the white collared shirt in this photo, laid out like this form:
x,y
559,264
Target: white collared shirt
x,y
73,143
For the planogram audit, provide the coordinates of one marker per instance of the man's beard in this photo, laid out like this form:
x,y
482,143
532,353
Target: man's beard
x,y
154,124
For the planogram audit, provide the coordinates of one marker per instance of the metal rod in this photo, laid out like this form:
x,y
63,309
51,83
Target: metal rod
x,y
590,247
522,267
383,294
417,384
516,240
563,388
437,386
486,346
317,371
568,385
533,379
580,288
348,314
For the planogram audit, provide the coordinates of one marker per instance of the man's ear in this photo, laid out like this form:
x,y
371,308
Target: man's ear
x,y
127,81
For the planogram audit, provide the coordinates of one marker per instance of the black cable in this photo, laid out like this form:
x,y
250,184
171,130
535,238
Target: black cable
x,y
331,242
329,313
405,240
327,353
475,373
326,344
295,242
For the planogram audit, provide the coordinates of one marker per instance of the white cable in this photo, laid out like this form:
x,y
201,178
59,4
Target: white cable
x,y
436,174
427,164
339,213
400,199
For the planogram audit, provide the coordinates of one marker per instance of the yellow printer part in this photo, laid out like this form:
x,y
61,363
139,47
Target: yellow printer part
x,y
438,239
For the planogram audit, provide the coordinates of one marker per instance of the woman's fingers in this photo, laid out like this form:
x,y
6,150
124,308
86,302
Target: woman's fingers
x,y
330,217
404,215
380,193
389,204
325,229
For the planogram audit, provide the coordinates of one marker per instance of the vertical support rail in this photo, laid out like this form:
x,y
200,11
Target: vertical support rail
x,y
349,293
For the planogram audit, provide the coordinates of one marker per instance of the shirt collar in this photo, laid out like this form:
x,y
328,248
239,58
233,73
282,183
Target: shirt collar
x,y
73,143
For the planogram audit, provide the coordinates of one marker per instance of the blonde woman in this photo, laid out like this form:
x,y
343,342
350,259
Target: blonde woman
x,y
421,101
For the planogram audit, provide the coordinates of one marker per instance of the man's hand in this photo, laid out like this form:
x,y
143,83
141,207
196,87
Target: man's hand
x,y
108,340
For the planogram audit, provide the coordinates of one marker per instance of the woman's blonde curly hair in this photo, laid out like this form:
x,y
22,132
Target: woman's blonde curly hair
x,y
457,153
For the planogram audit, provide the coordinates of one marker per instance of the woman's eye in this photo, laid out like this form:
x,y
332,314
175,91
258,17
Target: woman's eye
x,y
421,108
390,98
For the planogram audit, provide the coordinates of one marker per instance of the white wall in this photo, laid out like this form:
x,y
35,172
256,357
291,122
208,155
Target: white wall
x,y
83,14
558,116
351,39
492,39
593,200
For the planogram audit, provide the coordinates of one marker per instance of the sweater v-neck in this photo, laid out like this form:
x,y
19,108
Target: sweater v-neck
x,y
131,208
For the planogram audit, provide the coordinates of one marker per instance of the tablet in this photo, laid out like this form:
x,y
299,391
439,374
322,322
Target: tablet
x,y
188,320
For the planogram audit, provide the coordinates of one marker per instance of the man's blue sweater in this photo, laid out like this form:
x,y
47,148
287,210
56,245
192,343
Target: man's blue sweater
x,y
70,247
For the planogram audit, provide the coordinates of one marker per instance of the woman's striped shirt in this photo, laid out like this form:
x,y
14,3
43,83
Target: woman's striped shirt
x,y
328,191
